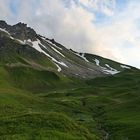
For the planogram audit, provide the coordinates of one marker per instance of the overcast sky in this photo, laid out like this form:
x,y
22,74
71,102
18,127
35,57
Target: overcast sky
x,y
110,28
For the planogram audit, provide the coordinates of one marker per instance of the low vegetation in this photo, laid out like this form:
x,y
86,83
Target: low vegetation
x,y
42,105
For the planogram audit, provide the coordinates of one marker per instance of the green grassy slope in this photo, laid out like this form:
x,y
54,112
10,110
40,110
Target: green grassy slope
x,y
25,115
119,99
103,61
108,107
12,52
42,105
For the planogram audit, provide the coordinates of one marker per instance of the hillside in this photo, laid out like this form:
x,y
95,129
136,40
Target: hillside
x,y
21,45
48,92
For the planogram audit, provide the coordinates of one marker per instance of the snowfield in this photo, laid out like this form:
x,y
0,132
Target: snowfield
x,y
97,62
57,51
125,67
37,47
82,56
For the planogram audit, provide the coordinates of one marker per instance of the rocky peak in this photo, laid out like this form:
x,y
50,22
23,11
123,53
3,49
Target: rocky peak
x,y
20,24
3,24
20,31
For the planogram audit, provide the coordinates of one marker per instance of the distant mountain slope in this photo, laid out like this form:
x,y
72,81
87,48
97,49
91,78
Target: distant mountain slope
x,y
108,66
21,44
107,63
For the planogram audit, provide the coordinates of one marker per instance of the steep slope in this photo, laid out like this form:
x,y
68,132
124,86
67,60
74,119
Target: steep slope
x,y
107,63
36,46
108,66
24,43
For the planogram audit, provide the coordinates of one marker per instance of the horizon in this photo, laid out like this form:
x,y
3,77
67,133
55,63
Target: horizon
x,y
109,28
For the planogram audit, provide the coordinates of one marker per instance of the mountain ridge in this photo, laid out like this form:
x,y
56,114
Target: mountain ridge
x,y
68,62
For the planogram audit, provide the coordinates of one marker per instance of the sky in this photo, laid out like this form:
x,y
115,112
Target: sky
x,y
110,28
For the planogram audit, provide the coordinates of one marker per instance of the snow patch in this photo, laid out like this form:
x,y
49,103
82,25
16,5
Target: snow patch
x,y
125,67
11,37
106,71
48,41
20,41
36,45
29,40
82,56
57,51
59,68
110,67
110,70
4,30
54,45
38,48
97,62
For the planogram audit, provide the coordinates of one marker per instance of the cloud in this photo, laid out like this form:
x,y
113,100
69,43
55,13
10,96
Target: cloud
x,y
74,24
5,9
122,35
107,7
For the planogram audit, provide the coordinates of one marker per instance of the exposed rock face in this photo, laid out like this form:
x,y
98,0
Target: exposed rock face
x,y
3,24
23,32
19,31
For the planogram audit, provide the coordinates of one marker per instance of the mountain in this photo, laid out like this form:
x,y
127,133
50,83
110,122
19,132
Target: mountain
x,y
49,92
29,47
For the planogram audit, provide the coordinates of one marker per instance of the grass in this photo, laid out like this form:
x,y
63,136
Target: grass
x,y
121,112
26,115
35,104
42,104
35,123
103,61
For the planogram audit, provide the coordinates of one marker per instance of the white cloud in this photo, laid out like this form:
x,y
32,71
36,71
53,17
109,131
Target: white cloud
x,y
122,36
4,9
105,6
